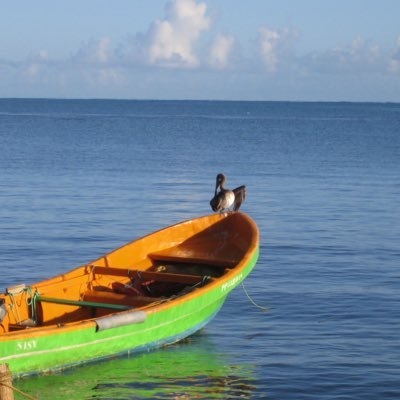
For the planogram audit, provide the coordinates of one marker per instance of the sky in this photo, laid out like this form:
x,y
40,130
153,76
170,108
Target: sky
x,y
286,50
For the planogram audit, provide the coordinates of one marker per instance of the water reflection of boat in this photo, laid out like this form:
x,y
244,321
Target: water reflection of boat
x,y
190,369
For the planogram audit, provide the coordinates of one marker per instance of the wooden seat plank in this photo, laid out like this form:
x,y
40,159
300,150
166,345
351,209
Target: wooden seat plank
x,y
149,275
116,298
183,256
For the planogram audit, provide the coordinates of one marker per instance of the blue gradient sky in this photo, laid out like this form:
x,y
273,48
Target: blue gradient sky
x,y
342,50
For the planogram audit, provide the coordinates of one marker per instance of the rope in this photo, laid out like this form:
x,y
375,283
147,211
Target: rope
x,y
13,306
30,302
265,309
28,396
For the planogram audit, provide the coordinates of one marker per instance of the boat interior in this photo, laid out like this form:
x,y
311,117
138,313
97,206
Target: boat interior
x,y
119,281
96,290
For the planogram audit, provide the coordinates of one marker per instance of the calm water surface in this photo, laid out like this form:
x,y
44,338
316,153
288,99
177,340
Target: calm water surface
x,y
79,178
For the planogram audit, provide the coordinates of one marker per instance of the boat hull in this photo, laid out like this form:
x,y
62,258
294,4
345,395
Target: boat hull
x,y
38,351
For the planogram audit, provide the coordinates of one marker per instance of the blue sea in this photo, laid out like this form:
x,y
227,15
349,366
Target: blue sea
x,y
82,177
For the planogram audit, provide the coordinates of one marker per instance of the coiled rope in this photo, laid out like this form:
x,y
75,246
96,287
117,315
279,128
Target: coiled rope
x,y
30,299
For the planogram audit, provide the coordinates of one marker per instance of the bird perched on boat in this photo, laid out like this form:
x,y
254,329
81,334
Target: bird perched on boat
x,y
226,198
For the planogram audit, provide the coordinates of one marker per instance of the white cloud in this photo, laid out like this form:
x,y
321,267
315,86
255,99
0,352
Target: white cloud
x,y
32,70
274,45
36,64
268,40
94,52
358,57
171,41
43,55
104,77
93,63
394,62
220,51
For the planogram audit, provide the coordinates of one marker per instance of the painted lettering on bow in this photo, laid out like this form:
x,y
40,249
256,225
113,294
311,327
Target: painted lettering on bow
x,y
231,283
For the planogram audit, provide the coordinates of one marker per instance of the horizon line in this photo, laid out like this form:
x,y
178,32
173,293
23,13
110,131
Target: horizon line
x,y
198,100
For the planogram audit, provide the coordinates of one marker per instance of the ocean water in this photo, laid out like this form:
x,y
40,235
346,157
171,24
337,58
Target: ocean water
x,y
79,178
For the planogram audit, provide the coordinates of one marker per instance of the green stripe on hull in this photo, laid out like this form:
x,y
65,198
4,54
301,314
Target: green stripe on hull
x,y
51,352
45,353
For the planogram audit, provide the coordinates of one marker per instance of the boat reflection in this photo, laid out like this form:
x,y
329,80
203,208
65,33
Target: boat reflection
x,y
190,369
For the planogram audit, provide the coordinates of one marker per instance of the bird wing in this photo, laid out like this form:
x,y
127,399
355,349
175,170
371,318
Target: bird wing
x,y
240,196
216,202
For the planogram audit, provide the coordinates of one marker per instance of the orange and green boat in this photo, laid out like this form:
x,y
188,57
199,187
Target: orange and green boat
x,y
151,292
